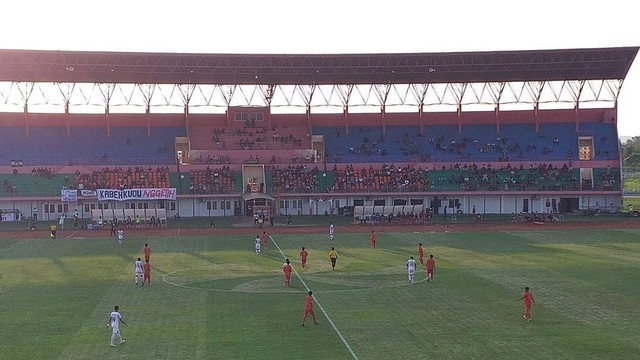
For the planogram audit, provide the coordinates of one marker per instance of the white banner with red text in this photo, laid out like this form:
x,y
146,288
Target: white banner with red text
x,y
136,194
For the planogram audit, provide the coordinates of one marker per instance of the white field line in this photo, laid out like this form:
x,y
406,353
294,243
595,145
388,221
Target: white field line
x,y
446,228
344,341
73,233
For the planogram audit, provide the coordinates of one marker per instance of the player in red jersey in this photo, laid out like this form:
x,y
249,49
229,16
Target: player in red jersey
x,y
265,240
303,257
308,308
147,252
527,296
420,253
373,239
431,268
147,273
287,269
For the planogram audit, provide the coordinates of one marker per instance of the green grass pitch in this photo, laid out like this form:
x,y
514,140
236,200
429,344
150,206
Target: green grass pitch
x,y
213,298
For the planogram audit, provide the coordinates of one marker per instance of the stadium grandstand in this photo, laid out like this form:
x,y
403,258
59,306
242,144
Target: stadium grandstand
x,y
219,135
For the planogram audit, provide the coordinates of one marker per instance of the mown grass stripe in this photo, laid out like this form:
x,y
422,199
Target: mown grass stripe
x,y
315,298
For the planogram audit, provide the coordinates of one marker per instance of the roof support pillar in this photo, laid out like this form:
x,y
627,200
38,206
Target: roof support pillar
x,y
458,90
307,91
66,90
25,111
496,91
535,116
576,110
25,94
106,114
147,93
459,116
382,93
66,118
345,115
186,114
147,111
383,110
497,116
420,92
577,103
268,97
227,92
536,89
110,88
421,118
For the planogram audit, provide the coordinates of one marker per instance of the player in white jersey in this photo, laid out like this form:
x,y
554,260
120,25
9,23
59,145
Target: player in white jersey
x,y
331,231
120,236
61,221
114,320
257,242
411,268
139,269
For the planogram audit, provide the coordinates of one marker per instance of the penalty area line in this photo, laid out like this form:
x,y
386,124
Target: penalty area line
x,y
326,315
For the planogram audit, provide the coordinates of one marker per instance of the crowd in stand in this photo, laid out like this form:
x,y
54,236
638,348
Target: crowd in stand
x,y
213,160
465,177
464,148
119,178
295,159
387,178
296,178
9,188
508,178
412,146
212,181
253,138
608,179
46,173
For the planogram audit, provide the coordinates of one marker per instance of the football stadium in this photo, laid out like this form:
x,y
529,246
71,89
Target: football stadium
x,y
506,166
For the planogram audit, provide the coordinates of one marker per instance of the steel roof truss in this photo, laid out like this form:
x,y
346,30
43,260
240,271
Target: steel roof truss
x,y
26,92
107,92
66,90
419,92
186,90
400,92
306,91
147,91
382,92
516,91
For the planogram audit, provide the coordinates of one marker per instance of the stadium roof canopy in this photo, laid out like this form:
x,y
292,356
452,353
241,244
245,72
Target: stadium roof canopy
x,y
291,80
501,66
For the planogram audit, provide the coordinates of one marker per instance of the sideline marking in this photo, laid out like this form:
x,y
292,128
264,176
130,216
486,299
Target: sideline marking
x,y
73,233
344,341
446,228
346,228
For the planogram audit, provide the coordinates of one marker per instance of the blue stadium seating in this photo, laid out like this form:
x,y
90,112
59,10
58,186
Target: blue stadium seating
x,y
444,143
605,147
89,145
